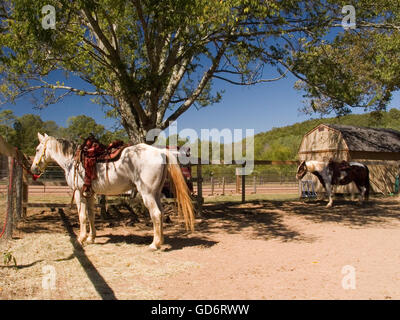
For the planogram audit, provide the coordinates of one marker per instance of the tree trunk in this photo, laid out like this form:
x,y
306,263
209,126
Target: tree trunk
x,y
137,135
137,130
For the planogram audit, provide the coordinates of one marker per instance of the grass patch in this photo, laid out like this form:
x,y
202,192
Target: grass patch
x,y
49,199
251,197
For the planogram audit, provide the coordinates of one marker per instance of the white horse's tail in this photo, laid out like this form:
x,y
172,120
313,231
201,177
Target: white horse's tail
x,y
185,206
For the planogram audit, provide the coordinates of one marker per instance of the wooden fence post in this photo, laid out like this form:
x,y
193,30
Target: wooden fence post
x,y
199,189
223,186
212,186
18,192
243,183
25,192
10,199
237,182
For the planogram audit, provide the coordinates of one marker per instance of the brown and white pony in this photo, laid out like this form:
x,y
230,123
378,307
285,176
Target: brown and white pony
x,y
337,173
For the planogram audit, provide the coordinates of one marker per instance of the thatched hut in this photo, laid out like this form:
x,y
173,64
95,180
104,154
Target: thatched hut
x,y
378,148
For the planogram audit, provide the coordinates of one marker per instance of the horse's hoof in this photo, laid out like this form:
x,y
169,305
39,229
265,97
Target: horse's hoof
x,y
329,205
153,247
90,240
82,240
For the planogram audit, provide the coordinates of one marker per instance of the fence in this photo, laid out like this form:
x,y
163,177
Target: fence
x,y
241,180
266,183
16,198
53,181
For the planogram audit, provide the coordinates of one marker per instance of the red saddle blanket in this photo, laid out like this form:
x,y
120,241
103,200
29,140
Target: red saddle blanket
x,y
92,152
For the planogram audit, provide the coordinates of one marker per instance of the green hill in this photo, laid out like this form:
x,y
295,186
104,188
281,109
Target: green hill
x,y
283,143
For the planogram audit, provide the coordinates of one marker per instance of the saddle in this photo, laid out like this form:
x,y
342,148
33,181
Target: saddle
x,y
112,152
93,151
336,168
344,166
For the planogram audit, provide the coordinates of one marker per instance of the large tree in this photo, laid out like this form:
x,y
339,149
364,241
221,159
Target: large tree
x,y
358,68
149,61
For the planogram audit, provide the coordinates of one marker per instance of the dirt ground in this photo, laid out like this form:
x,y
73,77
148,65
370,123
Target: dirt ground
x,y
258,250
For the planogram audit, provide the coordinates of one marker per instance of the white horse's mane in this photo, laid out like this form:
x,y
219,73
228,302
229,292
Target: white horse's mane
x,y
66,147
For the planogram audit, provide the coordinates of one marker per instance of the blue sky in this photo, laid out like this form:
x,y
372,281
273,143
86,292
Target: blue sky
x,y
259,107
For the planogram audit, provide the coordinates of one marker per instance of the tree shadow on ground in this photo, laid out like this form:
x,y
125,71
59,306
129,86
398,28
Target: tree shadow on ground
x,y
265,218
382,212
260,219
115,229
255,219
175,242
43,222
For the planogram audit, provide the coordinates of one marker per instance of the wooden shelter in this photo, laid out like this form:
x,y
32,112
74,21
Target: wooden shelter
x,y
378,148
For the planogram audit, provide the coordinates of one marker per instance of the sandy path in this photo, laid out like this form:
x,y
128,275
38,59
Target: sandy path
x,y
260,250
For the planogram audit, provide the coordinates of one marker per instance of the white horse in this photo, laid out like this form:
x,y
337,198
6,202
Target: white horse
x,y
141,166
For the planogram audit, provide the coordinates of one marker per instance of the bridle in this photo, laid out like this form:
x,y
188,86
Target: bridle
x,y
42,157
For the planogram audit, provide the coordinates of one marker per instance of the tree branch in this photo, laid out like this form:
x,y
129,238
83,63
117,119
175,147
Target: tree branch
x,y
61,87
250,83
122,73
203,82
149,46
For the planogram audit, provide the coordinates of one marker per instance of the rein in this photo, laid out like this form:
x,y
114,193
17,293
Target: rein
x,y
23,166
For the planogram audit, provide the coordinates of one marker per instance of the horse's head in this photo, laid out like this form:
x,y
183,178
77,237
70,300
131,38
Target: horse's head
x,y
42,155
301,170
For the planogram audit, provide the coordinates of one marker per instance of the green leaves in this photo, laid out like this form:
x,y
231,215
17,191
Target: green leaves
x,y
8,258
144,57
25,138
82,126
357,68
